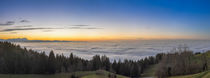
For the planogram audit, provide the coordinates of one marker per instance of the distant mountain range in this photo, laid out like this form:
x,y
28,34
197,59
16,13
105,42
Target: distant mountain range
x,y
26,40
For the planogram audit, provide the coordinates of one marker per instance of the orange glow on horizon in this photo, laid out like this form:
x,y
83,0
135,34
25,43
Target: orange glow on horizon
x,y
94,38
91,36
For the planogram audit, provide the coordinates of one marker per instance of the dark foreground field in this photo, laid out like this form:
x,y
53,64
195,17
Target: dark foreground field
x,y
82,74
93,74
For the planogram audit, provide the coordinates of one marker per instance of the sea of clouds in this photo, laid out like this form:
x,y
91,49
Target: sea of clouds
x,y
116,49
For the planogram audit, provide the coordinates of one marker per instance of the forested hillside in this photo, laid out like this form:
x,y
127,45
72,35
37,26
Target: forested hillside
x,y
17,60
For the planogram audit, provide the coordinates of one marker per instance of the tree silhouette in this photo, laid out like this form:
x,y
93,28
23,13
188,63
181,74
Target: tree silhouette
x,y
51,63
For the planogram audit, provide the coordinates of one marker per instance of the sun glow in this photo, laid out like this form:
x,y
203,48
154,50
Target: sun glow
x,y
86,36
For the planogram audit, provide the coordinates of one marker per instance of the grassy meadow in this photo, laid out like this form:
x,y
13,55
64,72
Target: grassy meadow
x,y
198,75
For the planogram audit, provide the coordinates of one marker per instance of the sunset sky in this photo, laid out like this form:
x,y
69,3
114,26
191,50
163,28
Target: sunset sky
x,y
83,20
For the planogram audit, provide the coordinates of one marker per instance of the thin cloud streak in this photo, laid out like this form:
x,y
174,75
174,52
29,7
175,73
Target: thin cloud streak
x,y
13,32
19,29
80,25
24,26
29,27
24,21
8,23
84,28
47,30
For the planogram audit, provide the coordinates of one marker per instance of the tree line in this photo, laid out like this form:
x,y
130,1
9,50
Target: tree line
x,y
181,61
17,60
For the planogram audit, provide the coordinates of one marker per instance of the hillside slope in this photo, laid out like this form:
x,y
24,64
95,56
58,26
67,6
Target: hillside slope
x,y
150,72
198,75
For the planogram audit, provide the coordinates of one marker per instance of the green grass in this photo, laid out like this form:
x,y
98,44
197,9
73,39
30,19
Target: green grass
x,y
198,75
82,74
150,71
101,74
95,76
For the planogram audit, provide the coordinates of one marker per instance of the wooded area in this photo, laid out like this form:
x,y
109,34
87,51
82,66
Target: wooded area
x,y
16,60
182,61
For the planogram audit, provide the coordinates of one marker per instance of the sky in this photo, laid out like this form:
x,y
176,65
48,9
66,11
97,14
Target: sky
x,y
84,20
